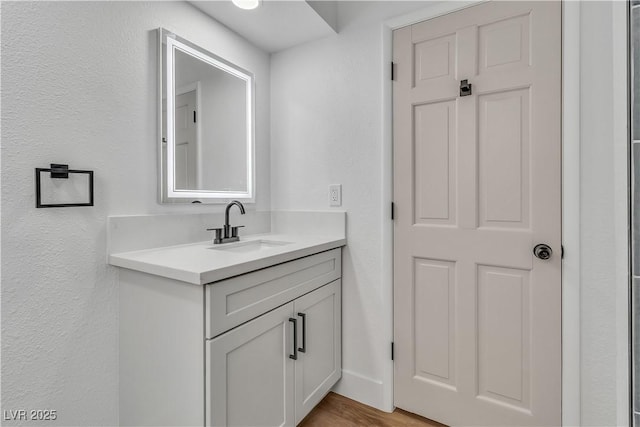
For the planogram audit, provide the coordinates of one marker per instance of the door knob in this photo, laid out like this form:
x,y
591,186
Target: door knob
x,y
542,251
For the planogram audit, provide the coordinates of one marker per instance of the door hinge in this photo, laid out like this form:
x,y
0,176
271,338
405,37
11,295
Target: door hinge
x,y
561,251
194,116
392,351
393,211
393,71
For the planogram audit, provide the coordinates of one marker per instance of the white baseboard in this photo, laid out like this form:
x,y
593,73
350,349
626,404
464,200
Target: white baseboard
x,y
362,389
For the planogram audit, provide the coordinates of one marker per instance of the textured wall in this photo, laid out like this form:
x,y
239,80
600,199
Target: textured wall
x,y
79,87
603,216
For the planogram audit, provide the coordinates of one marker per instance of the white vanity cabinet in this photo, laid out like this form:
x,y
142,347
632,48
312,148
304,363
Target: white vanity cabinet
x,y
259,375
257,349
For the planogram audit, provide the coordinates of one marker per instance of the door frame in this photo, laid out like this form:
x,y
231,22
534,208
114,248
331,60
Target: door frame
x,y
571,174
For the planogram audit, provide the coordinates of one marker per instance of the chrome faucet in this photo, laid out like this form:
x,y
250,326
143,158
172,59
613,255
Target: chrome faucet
x,y
230,233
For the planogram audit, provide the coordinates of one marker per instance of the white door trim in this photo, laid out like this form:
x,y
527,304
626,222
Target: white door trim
x,y
571,410
621,127
570,201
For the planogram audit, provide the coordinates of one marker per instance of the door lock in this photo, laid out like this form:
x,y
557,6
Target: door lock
x,y
542,251
465,88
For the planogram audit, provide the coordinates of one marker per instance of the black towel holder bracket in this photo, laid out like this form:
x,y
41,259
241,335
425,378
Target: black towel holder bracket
x,y
60,171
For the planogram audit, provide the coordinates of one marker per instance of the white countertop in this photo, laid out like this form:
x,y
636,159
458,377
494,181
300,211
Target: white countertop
x,y
204,262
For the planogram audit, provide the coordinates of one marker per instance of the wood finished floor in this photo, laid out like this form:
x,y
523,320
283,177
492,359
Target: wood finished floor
x,y
338,411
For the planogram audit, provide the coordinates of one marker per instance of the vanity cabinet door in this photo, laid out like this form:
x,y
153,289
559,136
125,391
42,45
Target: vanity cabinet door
x,y
319,364
250,376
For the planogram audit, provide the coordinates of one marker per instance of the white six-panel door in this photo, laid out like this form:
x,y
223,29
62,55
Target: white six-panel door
x,y
477,184
186,137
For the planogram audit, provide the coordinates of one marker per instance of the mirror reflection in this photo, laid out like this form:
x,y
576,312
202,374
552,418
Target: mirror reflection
x,y
207,148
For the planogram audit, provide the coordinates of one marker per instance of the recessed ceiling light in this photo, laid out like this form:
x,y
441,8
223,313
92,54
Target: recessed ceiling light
x,y
247,4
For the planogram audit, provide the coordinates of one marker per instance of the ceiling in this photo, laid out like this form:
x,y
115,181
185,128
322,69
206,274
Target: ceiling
x,y
276,24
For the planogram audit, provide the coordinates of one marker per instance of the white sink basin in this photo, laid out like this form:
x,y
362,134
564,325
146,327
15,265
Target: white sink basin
x,y
249,246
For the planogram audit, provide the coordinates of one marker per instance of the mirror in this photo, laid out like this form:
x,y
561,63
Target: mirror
x,y
207,125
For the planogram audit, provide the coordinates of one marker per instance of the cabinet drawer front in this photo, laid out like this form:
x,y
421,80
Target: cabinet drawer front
x,y
234,301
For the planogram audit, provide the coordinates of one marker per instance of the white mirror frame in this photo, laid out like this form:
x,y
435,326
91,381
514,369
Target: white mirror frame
x,y
168,43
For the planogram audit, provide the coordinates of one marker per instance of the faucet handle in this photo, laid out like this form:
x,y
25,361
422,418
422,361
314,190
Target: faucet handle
x,y
218,238
234,230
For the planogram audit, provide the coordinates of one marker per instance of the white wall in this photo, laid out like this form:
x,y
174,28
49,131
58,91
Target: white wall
x,y
327,128
223,121
603,215
79,86
598,280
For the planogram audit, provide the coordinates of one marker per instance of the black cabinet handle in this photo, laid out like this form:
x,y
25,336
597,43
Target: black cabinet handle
x,y
303,349
294,356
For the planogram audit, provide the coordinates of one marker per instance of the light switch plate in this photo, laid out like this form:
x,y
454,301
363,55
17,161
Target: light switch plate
x,y
335,195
